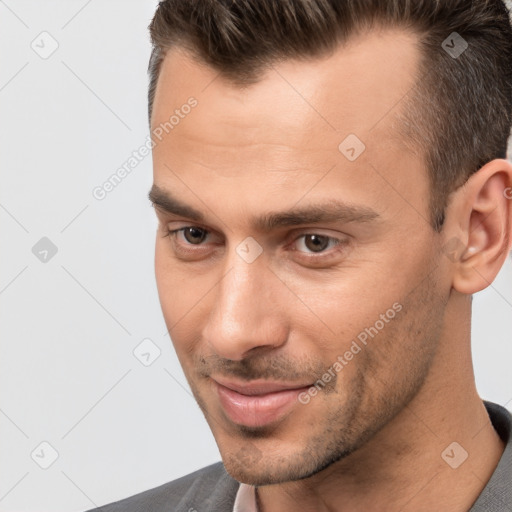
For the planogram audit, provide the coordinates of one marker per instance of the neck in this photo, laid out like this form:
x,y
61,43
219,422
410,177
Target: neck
x,y
410,465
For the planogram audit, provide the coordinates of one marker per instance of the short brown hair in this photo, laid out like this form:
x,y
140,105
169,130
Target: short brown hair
x,y
457,117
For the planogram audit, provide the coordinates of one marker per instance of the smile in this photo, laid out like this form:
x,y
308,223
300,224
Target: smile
x,y
257,403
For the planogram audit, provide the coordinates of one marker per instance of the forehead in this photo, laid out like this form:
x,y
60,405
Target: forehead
x,y
279,138
359,89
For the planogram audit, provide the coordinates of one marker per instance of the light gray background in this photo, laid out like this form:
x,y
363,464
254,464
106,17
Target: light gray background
x,y
68,375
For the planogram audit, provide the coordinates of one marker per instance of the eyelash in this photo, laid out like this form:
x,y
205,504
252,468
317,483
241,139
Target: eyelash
x,y
338,246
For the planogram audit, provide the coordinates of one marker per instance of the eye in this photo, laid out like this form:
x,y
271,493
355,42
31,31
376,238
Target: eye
x,y
193,235
314,243
192,243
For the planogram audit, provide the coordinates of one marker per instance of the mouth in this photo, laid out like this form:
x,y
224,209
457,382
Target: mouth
x,y
257,403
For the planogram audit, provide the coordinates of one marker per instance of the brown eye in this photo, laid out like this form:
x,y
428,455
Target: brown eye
x,y
194,235
316,243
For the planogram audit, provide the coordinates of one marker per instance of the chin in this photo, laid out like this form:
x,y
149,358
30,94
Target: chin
x,y
251,466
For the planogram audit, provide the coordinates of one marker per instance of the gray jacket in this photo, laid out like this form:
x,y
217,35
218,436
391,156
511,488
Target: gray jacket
x,y
211,489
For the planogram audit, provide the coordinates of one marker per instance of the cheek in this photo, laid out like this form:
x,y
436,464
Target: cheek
x,y
176,298
340,305
183,300
165,279
350,326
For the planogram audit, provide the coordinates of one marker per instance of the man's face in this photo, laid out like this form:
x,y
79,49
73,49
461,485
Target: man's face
x,y
304,262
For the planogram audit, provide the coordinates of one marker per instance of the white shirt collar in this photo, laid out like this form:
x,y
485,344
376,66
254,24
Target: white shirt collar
x,y
245,500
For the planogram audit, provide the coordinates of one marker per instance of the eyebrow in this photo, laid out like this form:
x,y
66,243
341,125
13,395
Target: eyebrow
x,y
329,211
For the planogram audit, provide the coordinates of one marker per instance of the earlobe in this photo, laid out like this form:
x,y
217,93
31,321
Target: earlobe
x,y
485,214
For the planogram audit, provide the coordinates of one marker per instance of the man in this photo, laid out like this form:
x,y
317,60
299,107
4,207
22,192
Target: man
x,y
331,187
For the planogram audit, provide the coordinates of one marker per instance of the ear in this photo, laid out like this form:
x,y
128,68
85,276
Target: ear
x,y
483,216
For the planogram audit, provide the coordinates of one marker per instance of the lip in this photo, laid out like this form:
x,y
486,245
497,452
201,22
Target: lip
x,y
257,403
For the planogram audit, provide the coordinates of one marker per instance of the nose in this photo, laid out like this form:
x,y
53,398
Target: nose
x,y
245,315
